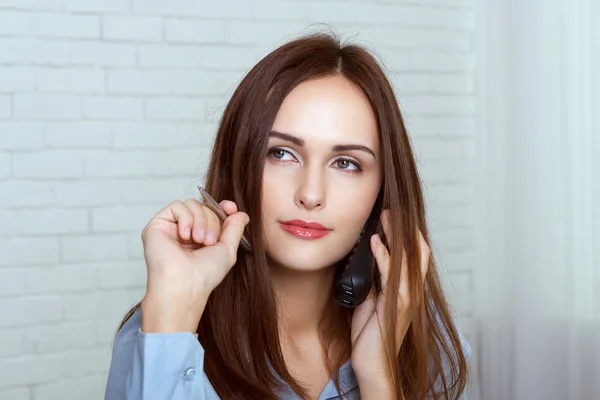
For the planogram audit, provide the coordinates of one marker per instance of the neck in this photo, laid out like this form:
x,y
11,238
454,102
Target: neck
x,y
303,299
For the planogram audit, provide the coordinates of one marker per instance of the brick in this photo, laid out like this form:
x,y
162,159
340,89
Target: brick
x,y
14,23
135,246
103,54
52,221
12,282
411,60
158,135
5,106
16,50
67,53
228,9
85,387
393,14
78,134
123,275
132,28
175,109
87,193
421,38
125,164
204,82
230,57
452,238
262,32
12,343
185,162
438,105
48,164
159,55
15,394
442,126
418,83
96,6
66,25
93,248
21,135
122,218
106,328
8,223
139,82
113,108
195,31
80,363
70,80
39,369
60,337
438,171
61,279
452,215
280,11
459,290
17,251
5,165
17,79
32,4
457,261
29,311
451,193
436,149
95,304
46,107
17,193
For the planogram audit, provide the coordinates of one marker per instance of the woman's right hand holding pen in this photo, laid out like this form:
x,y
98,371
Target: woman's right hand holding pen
x,y
188,253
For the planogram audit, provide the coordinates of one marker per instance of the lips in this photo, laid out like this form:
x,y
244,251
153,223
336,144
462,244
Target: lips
x,y
304,230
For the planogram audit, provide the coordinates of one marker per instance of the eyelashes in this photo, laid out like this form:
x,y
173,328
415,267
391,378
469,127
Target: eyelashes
x,y
278,153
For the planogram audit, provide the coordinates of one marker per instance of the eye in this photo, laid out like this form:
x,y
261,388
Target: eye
x,y
346,164
279,154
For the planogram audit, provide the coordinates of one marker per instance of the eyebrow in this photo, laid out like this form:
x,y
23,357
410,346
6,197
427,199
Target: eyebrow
x,y
338,147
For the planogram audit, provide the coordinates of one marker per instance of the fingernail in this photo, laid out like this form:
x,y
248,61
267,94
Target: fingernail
x,y
210,237
247,219
187,233
201,233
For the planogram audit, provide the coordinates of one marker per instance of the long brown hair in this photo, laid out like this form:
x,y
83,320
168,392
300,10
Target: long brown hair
x,y
239,327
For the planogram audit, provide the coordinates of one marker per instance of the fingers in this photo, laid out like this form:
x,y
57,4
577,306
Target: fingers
x,y
229,206
177,213
201,220
382,258
232,231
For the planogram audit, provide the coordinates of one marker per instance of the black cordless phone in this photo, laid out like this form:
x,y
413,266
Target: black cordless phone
x,y
356,277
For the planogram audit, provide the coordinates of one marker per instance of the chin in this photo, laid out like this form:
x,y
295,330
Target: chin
x,y
305,255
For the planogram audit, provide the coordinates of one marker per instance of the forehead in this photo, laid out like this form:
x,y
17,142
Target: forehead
x,y
330,109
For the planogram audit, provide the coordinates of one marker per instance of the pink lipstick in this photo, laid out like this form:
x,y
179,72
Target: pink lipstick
x,y
304,230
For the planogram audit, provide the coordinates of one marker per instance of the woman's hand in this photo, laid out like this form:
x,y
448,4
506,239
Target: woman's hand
x,y
188,253
368,321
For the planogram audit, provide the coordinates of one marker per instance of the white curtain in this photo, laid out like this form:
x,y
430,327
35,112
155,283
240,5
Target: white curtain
x,y
538,285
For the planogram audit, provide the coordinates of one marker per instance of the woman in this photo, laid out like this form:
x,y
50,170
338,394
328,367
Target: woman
x,y
310,139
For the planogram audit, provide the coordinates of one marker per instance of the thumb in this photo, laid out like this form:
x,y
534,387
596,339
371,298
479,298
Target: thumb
x,y
233,229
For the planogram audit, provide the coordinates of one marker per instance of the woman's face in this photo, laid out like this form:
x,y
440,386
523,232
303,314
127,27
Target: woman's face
x,y
323,167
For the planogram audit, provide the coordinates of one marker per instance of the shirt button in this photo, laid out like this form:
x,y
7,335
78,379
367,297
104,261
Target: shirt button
x,y
189,374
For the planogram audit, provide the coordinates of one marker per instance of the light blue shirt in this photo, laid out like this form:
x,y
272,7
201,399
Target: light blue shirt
x,y
169,366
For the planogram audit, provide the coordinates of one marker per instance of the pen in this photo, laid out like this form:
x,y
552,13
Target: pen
x,y
218,210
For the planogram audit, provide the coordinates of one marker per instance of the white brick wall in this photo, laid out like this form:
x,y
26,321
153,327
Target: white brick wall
x,y
107,109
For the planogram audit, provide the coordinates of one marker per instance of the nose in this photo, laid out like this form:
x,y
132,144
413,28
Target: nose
x,y
310,193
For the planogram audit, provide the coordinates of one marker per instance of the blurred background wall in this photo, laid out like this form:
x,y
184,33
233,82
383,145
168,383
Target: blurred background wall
x,y
108,110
